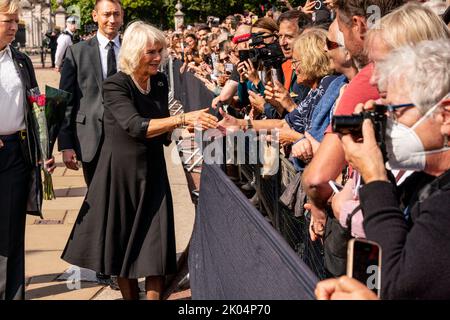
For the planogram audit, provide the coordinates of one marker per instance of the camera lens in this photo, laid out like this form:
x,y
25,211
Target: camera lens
x,y
318,5
347,124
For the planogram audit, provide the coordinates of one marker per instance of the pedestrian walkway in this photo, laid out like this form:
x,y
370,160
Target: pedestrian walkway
x,y
46,239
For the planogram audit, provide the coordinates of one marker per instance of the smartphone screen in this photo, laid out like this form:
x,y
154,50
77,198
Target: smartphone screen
x,y
229,68
364,263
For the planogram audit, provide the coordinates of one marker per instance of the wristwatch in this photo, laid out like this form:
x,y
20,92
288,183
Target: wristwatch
x,y
249,125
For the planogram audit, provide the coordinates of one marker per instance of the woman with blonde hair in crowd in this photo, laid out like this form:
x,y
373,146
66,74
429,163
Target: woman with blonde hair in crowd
x,y
407,25
126,226
312,66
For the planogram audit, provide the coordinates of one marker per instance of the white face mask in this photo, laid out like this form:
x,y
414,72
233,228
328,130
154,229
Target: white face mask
x,y
404,149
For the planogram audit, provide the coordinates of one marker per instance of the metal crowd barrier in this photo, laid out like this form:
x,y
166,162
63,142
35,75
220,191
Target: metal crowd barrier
x,y
269,189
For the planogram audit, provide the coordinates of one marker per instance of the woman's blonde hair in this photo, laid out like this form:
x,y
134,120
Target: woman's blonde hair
x,y
314,63
408,25
9,6
136,37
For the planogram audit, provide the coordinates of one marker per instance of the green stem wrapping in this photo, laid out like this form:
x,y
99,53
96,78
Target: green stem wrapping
x,y
49,192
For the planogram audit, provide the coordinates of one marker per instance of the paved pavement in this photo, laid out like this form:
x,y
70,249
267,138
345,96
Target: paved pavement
x,y
45,239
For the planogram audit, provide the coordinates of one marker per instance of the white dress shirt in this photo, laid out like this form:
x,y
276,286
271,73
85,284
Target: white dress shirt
x,y
103,43
64,41
12,116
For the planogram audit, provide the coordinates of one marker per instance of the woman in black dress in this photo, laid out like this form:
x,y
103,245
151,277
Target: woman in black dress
x,y
125,226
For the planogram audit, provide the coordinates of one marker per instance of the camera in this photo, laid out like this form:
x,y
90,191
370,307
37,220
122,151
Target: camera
x,y
269,55
213,20
353,124
318,5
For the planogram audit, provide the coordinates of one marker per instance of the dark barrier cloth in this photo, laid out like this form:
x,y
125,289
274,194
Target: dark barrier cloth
x,y
236,254
190,91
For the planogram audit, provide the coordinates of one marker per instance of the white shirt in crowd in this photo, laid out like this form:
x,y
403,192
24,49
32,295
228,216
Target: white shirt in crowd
x,y
64,41
12,117
103,43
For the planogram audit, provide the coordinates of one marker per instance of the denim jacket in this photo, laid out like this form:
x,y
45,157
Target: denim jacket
x,y
321,116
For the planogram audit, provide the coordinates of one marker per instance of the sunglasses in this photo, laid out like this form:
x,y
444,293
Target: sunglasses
x,y
295,63
331,45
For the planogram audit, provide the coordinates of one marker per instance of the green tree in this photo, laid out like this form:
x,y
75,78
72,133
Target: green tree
x,y
161,12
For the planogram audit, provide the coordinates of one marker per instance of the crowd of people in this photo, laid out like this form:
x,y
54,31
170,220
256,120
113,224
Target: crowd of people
x,y
293,73
338,61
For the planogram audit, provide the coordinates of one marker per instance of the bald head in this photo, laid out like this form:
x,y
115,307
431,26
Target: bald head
x,y
243,29
334,34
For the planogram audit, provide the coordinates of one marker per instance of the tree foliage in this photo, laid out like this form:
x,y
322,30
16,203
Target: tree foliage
x,y
161,12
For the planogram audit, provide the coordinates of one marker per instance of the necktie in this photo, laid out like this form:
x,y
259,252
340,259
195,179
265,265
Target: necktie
x,y
112,65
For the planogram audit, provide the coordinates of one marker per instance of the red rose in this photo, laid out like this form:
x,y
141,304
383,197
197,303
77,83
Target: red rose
x,y
41,100
32,99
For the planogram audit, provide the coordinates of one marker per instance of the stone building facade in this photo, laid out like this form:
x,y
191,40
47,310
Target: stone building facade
x,y
36,19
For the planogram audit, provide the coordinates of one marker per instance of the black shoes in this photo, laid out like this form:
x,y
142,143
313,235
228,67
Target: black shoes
x,y
107,280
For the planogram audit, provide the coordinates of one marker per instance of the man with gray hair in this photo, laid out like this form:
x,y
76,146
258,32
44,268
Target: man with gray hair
x,y
65,40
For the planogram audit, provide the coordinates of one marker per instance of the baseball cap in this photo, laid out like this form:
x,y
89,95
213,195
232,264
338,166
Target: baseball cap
x,y
71,19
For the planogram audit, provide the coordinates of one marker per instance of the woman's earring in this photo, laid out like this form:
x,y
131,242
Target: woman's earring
x,y
446,141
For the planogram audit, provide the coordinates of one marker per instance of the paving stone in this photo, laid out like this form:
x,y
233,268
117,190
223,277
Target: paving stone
x,y
41,279
74,173
82,274
59,172
69,181
64,203
71,217
59,214
47,237
77,192
62,291
39,263
61,193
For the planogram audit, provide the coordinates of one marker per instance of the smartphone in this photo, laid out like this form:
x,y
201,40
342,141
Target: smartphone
x,y
244,55
335,186
275,75
229,68
364,263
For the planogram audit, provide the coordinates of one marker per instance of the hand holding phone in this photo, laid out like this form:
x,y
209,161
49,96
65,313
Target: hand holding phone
x,y
364,263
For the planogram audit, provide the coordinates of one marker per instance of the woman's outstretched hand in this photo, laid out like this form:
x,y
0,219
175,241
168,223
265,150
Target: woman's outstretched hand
x,y
201,119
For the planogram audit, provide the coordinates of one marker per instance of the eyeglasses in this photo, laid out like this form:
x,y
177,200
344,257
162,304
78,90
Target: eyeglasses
x,y
331,45
392,110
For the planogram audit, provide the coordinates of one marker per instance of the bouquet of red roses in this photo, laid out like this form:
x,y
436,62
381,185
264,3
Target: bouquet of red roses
x,y
38,101
48,112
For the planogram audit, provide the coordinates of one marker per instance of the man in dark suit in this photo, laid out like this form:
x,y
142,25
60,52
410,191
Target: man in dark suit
x,y
86,65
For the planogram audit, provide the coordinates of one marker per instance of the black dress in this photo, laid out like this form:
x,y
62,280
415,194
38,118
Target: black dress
x,y
125,226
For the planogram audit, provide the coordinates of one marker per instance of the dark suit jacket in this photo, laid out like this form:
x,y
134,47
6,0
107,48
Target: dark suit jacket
x,y
83,77
30,144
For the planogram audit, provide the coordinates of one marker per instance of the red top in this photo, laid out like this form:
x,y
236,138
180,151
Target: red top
x,y
358,91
